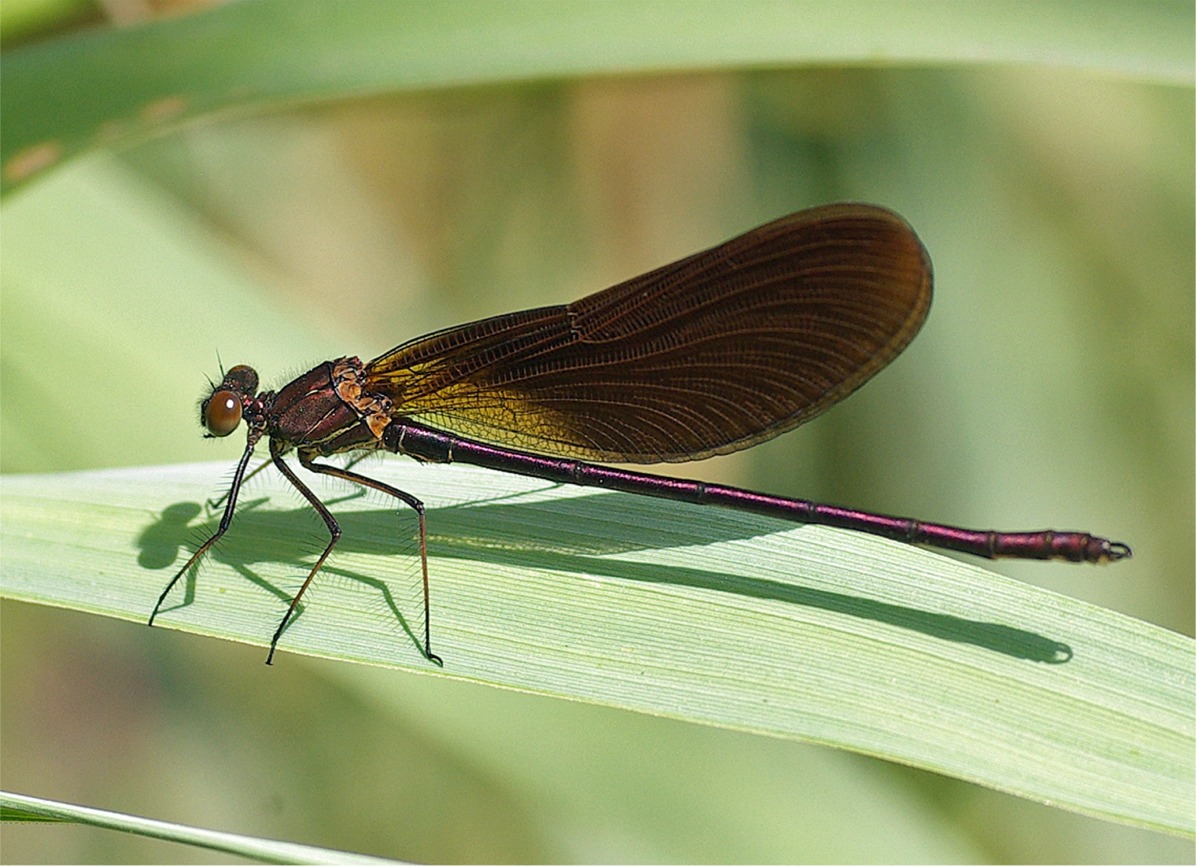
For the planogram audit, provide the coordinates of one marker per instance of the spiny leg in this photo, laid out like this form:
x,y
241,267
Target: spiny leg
x,y
416,505
225,520
277,449
215,504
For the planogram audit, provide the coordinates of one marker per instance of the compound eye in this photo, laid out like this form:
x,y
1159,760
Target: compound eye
x,y
222,414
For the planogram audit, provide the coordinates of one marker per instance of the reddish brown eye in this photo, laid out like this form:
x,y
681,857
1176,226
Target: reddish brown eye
x,y
222,414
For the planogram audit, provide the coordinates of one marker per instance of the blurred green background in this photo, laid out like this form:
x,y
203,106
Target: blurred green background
x,y
1052,385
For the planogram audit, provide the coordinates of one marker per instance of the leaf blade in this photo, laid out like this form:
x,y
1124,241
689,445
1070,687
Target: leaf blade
x,y
254,56
698,614
24,808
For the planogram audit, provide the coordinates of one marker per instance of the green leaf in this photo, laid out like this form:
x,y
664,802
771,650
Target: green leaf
x,y
23,808
694,613
110,87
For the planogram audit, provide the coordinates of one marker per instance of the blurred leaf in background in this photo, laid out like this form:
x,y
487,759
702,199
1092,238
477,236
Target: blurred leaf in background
x,y
1053,384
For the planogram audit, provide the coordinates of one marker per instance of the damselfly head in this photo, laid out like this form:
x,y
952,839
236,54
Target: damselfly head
x,y
220,413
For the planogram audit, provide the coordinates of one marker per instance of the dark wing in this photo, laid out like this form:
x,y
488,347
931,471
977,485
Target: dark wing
x,y
711,354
